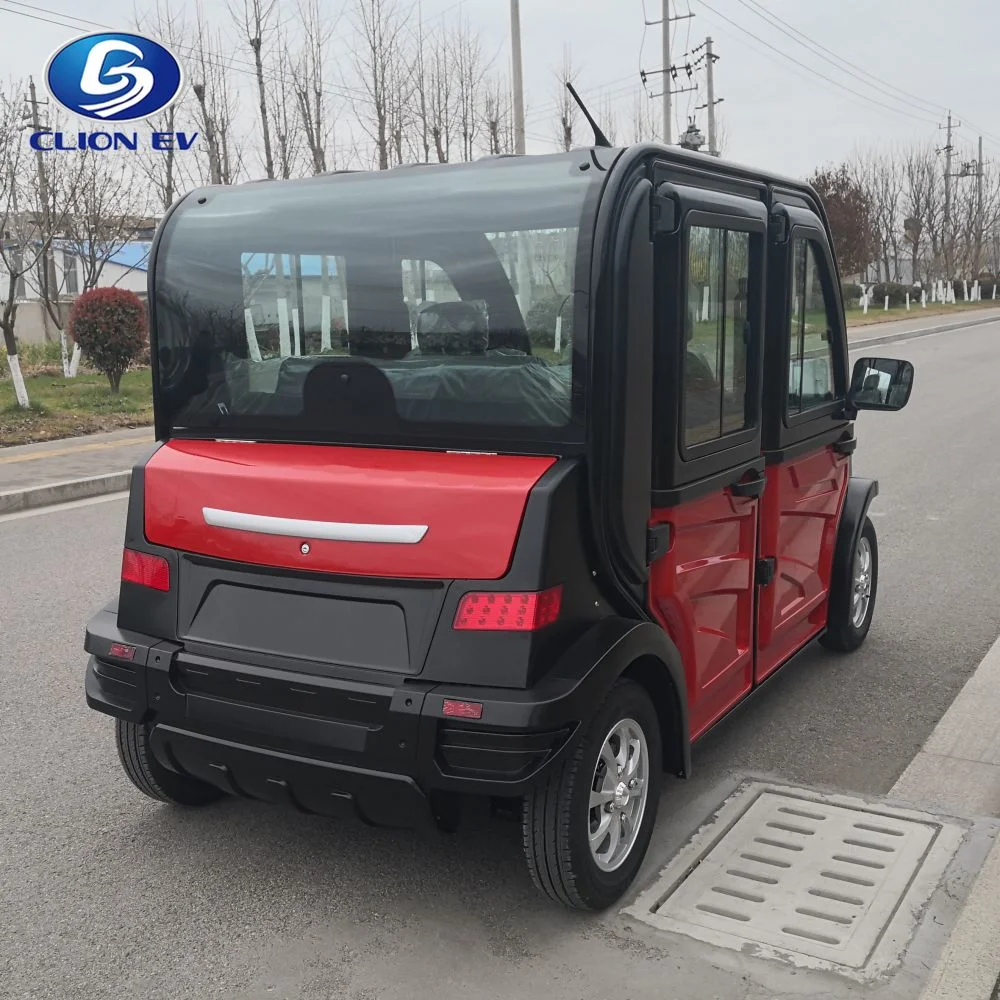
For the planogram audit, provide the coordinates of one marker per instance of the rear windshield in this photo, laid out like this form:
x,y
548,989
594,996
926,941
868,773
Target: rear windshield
x,y
439,304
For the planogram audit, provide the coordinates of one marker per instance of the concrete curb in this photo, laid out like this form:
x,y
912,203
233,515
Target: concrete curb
x,y
65,492
857,342
958,771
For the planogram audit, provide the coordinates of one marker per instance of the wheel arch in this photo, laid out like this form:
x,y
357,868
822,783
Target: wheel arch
x,y
860,494
644,653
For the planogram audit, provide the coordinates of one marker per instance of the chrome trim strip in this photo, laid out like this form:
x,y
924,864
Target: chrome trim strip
x,y
329,531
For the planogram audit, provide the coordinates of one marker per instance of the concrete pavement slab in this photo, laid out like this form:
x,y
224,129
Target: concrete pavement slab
x,y
28,467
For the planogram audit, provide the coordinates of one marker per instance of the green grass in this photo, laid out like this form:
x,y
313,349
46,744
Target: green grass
x,y
62,408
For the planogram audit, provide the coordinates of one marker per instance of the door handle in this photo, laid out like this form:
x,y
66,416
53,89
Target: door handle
x,y
752,488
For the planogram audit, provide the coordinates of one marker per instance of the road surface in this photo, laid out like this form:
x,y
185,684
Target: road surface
x,y
104,894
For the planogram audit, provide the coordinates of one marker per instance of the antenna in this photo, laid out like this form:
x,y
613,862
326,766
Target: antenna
x,y
600,139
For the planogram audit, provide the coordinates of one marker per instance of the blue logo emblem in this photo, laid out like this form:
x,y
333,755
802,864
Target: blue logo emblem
x,y
112,77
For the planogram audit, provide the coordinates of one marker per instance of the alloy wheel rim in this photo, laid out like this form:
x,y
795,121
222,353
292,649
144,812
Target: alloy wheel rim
x,y
861,593
618,795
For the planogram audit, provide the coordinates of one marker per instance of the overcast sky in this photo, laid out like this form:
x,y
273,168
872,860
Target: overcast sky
x,y
777,114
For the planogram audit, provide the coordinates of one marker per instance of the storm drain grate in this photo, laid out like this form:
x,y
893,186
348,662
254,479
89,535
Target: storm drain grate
x,y
823,878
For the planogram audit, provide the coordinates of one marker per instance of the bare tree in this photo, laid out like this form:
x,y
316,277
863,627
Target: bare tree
x,y
568,110
607,118
924,207
309,73
644,125
379,51
880,177
498,115
170,171
26,228
438,98
217,104
284,111
12,263
55,184
255,18
470,71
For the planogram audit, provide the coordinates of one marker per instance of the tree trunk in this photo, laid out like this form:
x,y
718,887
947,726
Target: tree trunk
x,y
14,363
268,154
74,362
64,353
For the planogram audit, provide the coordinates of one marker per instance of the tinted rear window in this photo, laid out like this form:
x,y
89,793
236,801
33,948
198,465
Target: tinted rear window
x,y
437,304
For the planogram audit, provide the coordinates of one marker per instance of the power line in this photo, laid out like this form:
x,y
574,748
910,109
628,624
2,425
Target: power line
x,y
837,61
810,69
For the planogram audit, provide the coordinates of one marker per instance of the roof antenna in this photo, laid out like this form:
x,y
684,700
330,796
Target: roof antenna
x,y
600,139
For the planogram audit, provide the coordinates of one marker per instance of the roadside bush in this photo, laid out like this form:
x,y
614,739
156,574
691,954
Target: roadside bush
x,y
111,328
895,291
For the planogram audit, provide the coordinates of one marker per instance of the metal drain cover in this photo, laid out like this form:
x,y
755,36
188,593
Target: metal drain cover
x,y
823,881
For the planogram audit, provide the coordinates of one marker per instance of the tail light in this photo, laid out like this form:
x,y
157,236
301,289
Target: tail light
x,y
146,570
508,612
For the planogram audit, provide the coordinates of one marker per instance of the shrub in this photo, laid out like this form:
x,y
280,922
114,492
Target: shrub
x,y
111,328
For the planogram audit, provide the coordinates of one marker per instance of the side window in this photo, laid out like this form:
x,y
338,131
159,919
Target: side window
x,y
810,367
715,359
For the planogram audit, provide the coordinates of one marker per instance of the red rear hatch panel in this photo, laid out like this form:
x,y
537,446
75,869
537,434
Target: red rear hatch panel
x,y
470,505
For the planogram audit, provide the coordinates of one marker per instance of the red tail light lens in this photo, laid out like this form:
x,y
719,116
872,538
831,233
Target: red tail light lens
x,y
502,612
145,570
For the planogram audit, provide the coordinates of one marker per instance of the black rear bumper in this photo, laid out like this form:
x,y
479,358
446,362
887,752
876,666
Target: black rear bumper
x,y
381,748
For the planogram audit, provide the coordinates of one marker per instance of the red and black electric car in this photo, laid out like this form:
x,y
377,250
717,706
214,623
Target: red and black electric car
x,y
504,479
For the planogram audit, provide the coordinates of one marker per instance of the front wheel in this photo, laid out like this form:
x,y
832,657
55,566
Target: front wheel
x,y
852,597
586,828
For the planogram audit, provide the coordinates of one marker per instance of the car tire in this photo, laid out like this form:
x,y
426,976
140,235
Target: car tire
x,y
559,819
151,777
852,597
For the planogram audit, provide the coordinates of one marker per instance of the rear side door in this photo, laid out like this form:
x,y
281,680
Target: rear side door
x,y
807,441
708,471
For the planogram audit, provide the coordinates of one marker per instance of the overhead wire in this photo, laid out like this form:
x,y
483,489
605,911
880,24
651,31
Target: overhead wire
x,y
836,83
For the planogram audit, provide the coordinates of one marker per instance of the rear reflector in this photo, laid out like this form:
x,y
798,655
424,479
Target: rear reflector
x,y
462,709
490,612
145,570
122,651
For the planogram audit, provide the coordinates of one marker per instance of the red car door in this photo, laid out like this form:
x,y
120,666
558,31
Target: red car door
x,y
807,444
709,474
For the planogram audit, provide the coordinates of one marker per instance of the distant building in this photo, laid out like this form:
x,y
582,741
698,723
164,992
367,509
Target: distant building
x,y
126,268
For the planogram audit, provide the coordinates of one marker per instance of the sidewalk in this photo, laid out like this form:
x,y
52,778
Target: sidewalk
x,y
37,475
920,326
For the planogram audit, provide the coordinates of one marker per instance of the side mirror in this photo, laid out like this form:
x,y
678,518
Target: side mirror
x,y
880,384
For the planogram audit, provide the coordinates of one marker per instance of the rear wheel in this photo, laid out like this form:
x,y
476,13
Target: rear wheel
x,y
852,602
151,777
586,829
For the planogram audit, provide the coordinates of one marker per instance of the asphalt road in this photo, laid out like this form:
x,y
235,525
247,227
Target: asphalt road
x,y
104,894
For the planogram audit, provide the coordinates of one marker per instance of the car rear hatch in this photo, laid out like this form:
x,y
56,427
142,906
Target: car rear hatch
x,y
328,560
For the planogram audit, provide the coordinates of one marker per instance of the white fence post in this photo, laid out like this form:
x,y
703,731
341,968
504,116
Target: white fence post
x,y
252,346
907,301
284,335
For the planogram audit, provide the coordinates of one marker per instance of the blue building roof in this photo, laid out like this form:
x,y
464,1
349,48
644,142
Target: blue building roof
x,y
134,256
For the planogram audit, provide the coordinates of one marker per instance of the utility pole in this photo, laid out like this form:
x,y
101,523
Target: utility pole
x,y
666,73
980,221
518,74
710,74
949,151
47,264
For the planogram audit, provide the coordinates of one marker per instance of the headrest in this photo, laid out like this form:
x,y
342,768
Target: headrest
x,y
456,328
